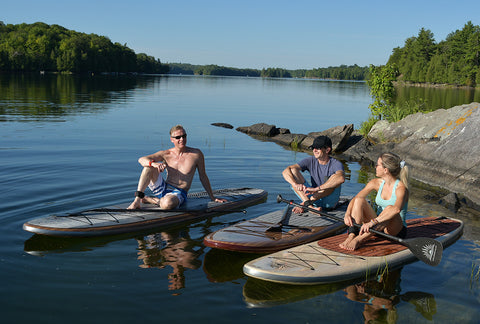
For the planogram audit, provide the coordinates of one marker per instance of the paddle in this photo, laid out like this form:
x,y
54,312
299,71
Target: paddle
x,y
425,249
278,227
284,222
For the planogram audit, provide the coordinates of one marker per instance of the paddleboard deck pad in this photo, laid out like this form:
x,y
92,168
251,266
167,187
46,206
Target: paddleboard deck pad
x,y
324,261
117,219
264,234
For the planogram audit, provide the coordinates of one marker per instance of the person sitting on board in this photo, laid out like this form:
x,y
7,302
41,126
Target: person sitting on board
x,y
180,161
326,173
391,185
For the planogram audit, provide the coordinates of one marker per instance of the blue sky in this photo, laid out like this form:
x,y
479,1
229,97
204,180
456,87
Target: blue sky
x,y
253,34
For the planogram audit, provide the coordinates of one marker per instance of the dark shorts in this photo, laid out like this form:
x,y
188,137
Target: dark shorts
x,y
403,233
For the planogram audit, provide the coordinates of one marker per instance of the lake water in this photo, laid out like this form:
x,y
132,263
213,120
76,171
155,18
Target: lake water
x,y
71,143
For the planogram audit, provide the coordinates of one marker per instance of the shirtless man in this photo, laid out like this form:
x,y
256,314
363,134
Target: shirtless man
x,y
180,162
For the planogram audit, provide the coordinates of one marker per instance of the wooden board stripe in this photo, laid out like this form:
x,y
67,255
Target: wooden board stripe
x,y
430,227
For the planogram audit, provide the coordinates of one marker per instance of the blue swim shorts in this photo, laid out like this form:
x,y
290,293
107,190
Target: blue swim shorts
x,y
160,189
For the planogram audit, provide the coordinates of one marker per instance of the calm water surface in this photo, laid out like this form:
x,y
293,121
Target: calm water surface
x,y
68,143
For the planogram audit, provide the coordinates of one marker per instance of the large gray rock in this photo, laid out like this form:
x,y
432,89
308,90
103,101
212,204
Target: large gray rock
x,y
291,140
260,129
339,136
441,147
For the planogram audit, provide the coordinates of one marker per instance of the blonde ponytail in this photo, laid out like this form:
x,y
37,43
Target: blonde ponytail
x,y
404,175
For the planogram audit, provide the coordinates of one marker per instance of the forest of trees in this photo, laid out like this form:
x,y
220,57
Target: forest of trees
x,y
42,47
53,48
342,72
456,60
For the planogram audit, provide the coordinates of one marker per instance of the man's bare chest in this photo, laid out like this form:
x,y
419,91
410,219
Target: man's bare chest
x,y
185,163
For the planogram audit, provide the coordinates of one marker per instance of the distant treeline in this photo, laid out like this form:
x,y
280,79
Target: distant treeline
x,y
190,69
343,72
456,60
42,47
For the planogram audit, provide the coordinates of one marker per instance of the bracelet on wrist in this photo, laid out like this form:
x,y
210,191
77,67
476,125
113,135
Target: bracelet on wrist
x,y
150,163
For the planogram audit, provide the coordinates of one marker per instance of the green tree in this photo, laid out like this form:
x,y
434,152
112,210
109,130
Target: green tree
x,y
382,89
456,60
38,46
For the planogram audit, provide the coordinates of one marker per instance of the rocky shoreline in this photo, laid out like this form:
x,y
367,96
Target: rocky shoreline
x,y
441,148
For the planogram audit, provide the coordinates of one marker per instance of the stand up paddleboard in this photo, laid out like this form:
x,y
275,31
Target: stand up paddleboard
x,y
117,219
277,230
325,262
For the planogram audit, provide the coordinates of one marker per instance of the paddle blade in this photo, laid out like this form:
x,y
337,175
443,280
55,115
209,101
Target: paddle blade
x,y
426,249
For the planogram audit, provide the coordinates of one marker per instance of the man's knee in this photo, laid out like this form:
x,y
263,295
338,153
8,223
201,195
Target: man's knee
x,y
169,202
150,171
150,174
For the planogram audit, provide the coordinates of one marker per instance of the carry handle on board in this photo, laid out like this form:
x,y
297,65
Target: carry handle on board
x,y
425,249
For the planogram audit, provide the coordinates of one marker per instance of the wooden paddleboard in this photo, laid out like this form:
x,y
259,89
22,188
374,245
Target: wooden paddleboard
x,y
325,262
256,235
117,219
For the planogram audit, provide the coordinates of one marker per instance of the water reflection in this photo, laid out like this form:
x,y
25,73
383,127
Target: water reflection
x,y
174,249
435,98
223,266
259,293
34,97
169,248
41,245
382,294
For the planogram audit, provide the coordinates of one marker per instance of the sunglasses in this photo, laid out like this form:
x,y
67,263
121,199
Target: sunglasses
x,y
179,136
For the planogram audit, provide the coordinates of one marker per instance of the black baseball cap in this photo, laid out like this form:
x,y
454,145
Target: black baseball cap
x,y
321,142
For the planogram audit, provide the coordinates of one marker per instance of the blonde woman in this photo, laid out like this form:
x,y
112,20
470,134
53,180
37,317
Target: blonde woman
x,y
391,186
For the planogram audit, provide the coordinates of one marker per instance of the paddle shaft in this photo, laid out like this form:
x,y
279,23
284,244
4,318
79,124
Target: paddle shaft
x,y
425,249
390,237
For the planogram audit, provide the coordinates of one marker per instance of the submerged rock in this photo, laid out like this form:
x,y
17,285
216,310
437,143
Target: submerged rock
x,y
224,125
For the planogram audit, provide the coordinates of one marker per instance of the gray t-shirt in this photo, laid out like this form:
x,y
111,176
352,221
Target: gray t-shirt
x,y
320,173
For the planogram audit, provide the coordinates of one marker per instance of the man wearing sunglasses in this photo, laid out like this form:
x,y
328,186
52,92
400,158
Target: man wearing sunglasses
x,y
181,162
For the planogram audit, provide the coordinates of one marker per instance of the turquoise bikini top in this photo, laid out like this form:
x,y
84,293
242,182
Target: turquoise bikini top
x,y
382,203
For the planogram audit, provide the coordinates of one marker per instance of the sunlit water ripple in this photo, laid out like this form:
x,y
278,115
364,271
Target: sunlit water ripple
x,y
80,151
